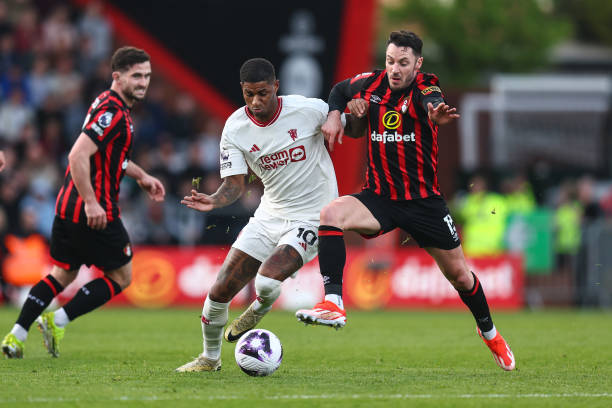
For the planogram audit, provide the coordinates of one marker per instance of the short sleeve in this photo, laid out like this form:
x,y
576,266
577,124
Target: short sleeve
x,y
102,123
231,160
321,109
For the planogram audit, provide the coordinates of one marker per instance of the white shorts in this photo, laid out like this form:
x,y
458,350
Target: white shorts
x,y
263,234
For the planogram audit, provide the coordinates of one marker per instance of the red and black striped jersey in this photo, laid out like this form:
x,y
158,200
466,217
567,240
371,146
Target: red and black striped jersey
x,y
402,141
109,125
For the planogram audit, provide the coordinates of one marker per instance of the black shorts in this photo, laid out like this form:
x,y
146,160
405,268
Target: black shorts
x,y
427,220
73,245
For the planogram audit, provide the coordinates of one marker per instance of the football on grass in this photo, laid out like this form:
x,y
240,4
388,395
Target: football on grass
x,y
258,352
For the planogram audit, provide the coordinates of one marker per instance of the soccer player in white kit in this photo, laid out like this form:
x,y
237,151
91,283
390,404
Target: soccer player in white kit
x,y
280,139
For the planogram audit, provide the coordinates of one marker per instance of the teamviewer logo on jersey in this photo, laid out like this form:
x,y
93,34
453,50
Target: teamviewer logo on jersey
x,y
297,153
284,157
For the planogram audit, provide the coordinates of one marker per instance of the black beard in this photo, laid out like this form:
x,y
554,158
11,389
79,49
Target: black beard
x,y
132,97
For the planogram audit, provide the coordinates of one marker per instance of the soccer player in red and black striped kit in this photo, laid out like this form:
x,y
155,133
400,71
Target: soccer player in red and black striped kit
x,y
402,109
87,228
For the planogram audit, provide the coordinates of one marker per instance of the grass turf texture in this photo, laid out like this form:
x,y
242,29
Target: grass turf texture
x,y
126,357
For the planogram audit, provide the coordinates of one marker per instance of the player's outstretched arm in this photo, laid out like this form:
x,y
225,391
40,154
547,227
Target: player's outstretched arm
x,y
229,191
154,188
442,113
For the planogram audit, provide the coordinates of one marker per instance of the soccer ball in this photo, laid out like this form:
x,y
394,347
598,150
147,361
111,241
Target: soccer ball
x,y
258,352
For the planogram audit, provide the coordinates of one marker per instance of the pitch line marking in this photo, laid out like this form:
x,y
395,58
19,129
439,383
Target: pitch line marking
x,y
313,397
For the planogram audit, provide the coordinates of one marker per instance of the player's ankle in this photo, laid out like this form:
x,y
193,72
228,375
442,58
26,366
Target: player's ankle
x,y
335,299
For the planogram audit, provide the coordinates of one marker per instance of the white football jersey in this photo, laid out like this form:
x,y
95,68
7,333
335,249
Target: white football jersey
x,y
288,155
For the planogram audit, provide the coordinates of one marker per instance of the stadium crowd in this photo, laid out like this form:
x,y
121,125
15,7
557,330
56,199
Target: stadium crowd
x,y
53,63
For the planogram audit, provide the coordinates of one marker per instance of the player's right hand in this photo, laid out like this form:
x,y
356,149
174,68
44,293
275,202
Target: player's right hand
x,y
96,216
332,129
198,201
358,107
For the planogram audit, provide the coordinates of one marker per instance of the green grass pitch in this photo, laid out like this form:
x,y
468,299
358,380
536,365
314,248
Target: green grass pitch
x,y
126,357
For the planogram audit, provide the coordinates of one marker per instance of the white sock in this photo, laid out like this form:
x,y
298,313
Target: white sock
x,y
20,332
335,299
490,334
214,317
267,290
60,318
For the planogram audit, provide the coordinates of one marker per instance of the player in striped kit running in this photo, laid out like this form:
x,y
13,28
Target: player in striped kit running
x,y
87,228
403,108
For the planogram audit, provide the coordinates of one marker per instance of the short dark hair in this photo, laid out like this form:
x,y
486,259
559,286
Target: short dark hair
x,y
125,57
257,70
404,38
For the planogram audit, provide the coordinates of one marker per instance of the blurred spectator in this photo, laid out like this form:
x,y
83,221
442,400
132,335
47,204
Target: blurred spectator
x,y
567,227
518,194
586,195
58,33
15,114
12,79
27,31
482,215
184,224
98,82
95,37
5,25
39,80
66,81
8,55
208,140
181,122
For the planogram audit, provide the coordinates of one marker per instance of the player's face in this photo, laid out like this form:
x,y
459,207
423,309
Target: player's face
x,y
260,98
401,66
134,82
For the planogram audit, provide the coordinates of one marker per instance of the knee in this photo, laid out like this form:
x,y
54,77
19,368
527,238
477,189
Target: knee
x,y
219,294
63,276
122,277
331,215
267,287
460,278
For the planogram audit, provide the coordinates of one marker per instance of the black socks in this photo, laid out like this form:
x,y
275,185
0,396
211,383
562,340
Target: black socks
x,y
476,301
91,296
38,299
332,257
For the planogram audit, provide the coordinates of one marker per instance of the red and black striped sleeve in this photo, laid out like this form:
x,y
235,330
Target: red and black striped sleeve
x,y
101,122
344,91
429,91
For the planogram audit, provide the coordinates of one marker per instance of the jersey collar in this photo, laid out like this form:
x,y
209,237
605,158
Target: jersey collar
x,y
272,119
121,101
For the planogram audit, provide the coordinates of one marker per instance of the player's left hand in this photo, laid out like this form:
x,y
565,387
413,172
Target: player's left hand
x,y
199,201
154,188
441,114
358,107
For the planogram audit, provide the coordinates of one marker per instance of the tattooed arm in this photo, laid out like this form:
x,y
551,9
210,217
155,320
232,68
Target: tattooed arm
x,y
228,192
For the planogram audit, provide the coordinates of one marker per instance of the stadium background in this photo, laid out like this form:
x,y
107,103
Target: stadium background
x,y
526,169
